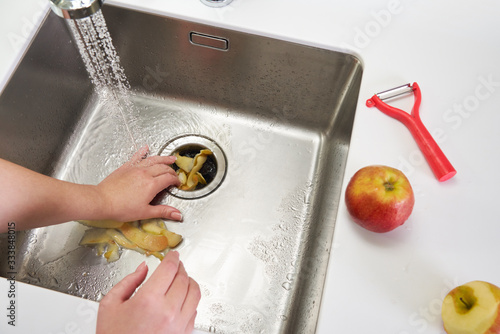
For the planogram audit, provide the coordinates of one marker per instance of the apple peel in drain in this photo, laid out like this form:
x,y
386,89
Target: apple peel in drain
x,y
189,170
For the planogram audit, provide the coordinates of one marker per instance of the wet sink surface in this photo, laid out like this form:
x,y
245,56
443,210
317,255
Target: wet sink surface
x,y
280,112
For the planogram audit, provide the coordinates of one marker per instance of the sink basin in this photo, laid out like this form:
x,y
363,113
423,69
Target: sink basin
x,y
280,114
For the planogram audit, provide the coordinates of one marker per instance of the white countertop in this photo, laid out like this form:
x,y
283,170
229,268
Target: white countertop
x,y
389,283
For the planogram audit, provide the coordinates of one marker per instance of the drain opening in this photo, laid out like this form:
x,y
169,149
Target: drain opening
x,y
213,170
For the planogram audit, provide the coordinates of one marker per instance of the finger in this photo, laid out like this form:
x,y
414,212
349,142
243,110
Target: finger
x,y
164,181
163,276
190,325
165,211
141,154
160,169
179,288
127,286
192,299
160,159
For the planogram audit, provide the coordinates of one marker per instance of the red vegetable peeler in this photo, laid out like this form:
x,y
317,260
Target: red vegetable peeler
x,y
442,168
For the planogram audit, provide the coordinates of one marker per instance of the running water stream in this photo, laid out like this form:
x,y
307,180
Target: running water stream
x,y
103,65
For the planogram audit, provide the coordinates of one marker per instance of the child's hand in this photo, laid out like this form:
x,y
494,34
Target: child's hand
x,y
128,191
166,303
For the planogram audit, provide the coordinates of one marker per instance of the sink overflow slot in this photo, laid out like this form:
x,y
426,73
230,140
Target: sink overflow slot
x,y
208,41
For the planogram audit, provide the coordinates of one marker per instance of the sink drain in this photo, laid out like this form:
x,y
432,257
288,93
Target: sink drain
x,y
213,170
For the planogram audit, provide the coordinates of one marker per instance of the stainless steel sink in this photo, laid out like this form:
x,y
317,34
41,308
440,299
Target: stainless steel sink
x,y
281,114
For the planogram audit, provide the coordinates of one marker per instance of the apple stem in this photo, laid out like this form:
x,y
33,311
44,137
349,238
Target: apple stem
x,y
467,305
389,186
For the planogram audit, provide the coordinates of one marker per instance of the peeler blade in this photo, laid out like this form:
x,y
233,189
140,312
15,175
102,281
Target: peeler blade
x,y
395,92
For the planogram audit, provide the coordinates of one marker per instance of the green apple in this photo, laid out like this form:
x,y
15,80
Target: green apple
x,y
379,198
472,308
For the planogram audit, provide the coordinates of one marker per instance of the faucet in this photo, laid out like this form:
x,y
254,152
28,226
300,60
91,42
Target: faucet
x,y
75,9
216,3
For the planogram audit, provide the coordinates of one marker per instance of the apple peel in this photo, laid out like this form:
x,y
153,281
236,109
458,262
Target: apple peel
x,y
149,237
144,240
184,163
189,169
105,223
157,227
112,253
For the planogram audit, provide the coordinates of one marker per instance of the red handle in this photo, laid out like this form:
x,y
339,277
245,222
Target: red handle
x,y
440,165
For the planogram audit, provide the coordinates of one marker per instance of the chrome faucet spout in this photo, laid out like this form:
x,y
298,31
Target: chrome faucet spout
x,y
216,3
75,9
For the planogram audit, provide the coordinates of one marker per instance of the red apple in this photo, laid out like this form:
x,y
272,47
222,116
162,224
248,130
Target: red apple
x,y
379,198
472,308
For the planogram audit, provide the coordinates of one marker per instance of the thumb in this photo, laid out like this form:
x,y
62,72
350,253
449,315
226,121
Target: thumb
x,y
127,286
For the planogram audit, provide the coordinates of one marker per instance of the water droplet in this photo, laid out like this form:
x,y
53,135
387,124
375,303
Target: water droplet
x,y
54,282
307,198
287,286
32,278
100,295
32,239
212,329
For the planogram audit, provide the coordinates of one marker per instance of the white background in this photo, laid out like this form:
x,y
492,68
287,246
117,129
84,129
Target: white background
x,y
377,283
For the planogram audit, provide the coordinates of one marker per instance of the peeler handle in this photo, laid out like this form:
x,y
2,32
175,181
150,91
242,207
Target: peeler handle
x,y
440,165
